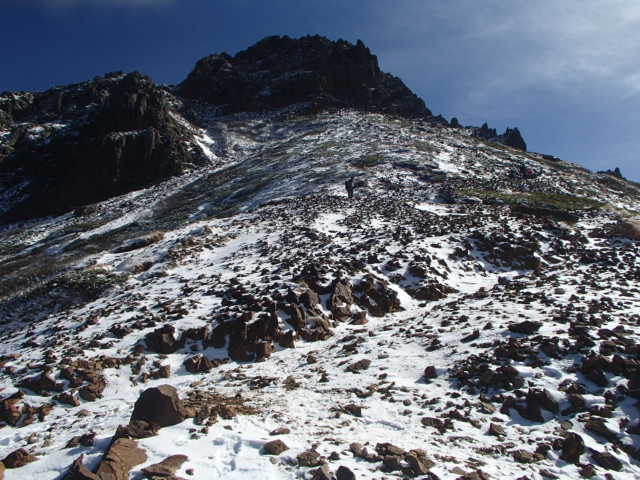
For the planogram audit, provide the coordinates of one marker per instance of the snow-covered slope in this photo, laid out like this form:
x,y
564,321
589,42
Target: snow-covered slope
x,y
482,322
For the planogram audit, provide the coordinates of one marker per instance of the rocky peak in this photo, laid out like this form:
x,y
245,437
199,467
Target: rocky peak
x,y
280,71
511,137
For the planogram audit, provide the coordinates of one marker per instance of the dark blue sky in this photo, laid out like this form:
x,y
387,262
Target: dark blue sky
x,y
566,73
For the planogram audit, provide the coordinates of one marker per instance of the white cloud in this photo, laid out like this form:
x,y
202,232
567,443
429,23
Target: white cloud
x,y
571,46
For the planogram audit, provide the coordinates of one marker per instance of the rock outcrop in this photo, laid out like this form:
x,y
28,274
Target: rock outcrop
x,y
280,71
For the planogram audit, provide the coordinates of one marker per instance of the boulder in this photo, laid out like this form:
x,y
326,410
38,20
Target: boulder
x,y
572,447
160,406
162,340
275,447
77,471
526,327
18,458
122,456
166,468
344,473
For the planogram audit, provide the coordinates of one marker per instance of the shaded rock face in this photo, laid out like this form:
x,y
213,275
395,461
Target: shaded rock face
x,y
94,140
280,71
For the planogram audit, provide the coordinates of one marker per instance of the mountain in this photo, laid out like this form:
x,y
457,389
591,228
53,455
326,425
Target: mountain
x,y
203,300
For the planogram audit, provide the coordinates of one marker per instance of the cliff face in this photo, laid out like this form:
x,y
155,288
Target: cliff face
x,y
82,143
280,71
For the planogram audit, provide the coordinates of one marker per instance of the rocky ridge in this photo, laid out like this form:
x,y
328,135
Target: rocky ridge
x,y
78,144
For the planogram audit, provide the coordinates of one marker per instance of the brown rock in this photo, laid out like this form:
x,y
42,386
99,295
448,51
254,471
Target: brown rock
x,y
309,458
430,372
122,456
18,458
198,364
137,429
343,473
606,460
162,340
77,471
598,426
572,447
523,456
10,409
275,447
527,327
359,366
85,440
280,431
496,430
322,473
419,463
160,406
93,391
67,398
341,301
166,468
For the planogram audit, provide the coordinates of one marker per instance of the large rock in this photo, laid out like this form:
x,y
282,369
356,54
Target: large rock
x,y
166,468
160,406
78,471
122,456
18,458
572,447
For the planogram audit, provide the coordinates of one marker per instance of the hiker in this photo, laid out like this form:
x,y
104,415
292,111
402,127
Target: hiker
x,y
349,186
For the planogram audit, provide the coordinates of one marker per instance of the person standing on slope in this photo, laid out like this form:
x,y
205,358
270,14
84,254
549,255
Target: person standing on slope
x,y
349,186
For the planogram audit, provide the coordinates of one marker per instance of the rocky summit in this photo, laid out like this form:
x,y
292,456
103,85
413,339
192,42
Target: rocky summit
x,y
286,267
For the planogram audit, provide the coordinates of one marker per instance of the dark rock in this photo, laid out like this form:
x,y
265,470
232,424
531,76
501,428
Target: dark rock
x,y
126,137
122,456
359,366
137,429
527,327
430,372
322,473
385,449
85,440
198,364
166,468
344,473
275,447
496,430
280,431
418,462
309,458
572,447
77,471
599,427
162,340
18,458
160,406
606,460
326,73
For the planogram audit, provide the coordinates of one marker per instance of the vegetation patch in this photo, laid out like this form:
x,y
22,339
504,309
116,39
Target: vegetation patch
x,y
368,161
88,284
543,199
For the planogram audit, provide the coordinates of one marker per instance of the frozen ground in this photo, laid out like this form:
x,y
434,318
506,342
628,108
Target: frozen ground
x,y
433,284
